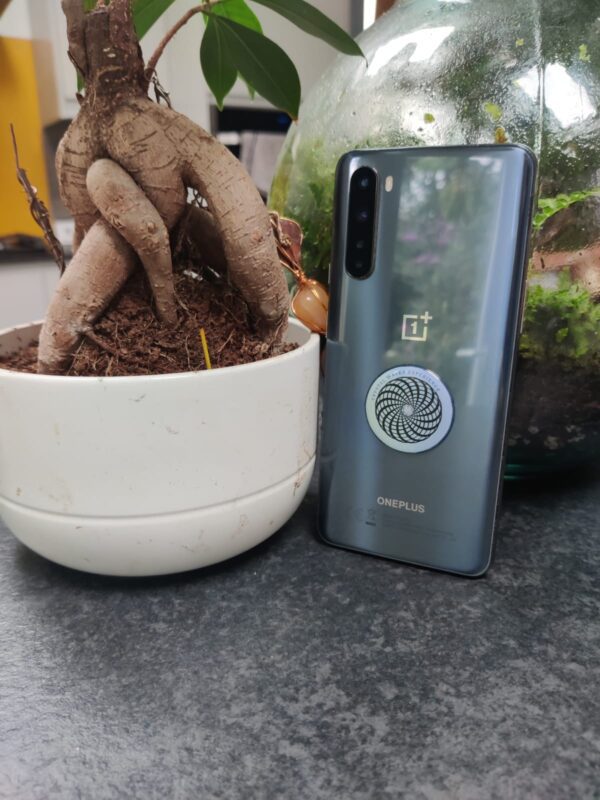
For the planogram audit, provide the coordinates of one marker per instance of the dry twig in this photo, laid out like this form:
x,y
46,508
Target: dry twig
x,y
38,210
160,93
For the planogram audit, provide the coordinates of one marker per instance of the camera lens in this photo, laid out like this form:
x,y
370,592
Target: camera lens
x,y
362,213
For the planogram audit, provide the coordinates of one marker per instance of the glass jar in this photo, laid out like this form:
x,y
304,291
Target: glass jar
x,y
479,71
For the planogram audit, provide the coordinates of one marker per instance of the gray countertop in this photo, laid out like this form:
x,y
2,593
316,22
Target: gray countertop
x,y
301,671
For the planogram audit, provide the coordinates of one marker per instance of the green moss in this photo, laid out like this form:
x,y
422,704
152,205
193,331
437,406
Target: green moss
x,y
562,326
309,201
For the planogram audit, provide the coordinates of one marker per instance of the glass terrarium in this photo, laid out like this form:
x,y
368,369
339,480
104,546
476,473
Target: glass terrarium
x,y
480,71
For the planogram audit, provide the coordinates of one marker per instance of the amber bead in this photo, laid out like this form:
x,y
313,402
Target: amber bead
x,y
310,305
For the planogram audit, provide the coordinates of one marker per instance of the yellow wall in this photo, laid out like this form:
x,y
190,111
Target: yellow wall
x,y
19,105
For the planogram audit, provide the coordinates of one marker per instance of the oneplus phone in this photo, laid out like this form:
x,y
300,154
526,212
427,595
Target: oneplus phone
x,y
427,283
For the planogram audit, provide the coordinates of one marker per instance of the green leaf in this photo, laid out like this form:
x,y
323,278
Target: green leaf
x,y
262,64
428,118
549,206
89,5
146,12
238,11
216,61
314,22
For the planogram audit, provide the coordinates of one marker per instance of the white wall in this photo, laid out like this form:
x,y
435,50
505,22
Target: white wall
x,y
16,22
25,291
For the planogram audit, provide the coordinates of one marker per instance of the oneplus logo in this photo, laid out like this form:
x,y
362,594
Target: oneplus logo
x,y
401,505
414,326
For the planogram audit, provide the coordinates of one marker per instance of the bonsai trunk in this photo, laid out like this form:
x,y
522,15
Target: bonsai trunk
x,y
124,169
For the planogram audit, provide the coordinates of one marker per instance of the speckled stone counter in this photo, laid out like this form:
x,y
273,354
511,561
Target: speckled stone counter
x,y
302,672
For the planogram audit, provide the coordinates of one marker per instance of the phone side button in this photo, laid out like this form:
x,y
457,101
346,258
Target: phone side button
x,y
523,305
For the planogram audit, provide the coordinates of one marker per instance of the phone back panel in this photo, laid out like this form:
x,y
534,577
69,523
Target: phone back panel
x,y
420,355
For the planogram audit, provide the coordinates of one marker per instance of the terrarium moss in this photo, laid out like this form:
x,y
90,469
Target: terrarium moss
x,y
562,326
312,207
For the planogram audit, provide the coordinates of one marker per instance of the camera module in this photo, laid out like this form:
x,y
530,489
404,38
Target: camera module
x,y
361,219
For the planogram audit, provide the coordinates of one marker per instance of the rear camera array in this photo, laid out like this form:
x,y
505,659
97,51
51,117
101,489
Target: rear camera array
x,y
361,219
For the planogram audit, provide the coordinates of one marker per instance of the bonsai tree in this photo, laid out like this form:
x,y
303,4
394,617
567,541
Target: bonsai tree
x,y
126,164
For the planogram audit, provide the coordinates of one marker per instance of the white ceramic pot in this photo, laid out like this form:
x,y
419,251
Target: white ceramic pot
x,y
156,474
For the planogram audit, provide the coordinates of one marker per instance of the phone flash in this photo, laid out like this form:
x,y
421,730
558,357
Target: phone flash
x,y
389,183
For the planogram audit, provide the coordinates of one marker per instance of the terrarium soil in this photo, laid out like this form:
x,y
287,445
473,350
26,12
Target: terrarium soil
x,y
554,408
129,339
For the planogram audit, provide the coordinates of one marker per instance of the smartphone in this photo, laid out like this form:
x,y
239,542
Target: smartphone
x,y
427,283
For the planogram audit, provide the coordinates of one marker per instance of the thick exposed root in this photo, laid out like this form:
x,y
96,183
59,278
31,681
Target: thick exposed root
x,y
243,223
75,14
204,164
127,208
94,277
136,141
77,151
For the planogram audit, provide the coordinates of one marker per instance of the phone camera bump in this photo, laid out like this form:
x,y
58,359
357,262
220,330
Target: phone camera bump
x,y
361,219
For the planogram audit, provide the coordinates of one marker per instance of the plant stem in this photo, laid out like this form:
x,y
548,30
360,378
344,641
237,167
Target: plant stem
x,y
153,61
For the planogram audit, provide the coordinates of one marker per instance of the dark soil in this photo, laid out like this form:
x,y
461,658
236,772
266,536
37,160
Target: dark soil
x,y
555,414
129,340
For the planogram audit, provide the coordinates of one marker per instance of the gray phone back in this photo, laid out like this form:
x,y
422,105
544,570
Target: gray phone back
x,y
420,354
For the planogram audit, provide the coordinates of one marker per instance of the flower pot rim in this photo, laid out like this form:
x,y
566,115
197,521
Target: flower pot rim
x,y
203,374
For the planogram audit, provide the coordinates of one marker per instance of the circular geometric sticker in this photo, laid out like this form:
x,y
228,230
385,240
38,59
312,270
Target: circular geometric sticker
x,y
409,409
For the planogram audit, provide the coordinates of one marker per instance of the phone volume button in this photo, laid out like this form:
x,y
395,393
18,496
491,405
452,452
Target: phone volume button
x,y
523,304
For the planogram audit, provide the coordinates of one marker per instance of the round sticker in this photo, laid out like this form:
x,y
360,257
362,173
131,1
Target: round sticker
x,y
409,409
